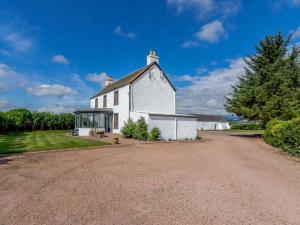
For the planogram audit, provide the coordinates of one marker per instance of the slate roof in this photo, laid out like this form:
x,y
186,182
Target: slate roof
x,y
209,118
127,80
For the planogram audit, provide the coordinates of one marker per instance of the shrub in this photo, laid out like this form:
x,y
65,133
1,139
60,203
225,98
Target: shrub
x,y
247,126
284,135
269,132
141,129
154,134
128,128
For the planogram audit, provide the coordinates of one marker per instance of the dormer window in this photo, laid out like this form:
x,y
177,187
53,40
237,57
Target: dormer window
x,y
116,98
104,101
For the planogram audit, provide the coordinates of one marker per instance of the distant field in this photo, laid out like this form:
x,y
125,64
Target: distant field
x,y
18,142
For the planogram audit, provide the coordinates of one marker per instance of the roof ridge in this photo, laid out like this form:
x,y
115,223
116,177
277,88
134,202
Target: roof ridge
x,y
119,83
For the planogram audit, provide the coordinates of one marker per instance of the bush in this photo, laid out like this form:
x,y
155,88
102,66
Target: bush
x,y
284,135
270,132
247,126
128,129
154,134
141,129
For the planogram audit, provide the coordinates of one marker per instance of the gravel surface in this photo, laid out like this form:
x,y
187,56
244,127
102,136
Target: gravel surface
x,y
220,180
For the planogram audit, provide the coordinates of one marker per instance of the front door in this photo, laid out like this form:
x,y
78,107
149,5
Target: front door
x,y
108,122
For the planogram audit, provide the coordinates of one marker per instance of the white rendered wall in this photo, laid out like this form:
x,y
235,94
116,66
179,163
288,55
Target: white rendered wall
x,y
209,125
174,127
166,125
122,108
84,131
136,115
151,92
186,128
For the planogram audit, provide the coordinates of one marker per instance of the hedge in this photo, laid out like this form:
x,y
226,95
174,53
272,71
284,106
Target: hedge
x,y
284,135
246,126
22,119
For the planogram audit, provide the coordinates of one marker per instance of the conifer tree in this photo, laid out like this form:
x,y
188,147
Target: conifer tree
x,y
270,86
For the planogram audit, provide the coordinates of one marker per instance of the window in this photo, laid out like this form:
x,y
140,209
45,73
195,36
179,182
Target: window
x,y
96,103
116,121
104,101
116,98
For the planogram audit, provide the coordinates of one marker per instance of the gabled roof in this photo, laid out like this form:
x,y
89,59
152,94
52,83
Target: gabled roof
x,y
128,80
209,118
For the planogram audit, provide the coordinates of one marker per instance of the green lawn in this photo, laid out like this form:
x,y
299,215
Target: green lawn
x,y
18,142
246,131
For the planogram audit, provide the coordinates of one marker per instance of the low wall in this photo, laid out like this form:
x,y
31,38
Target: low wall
x,y
209,125
84,131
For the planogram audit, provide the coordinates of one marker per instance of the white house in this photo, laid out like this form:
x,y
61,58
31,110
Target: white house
x,y
148,93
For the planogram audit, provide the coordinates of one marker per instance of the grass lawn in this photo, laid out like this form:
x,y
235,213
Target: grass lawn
x,y
18,142
246,131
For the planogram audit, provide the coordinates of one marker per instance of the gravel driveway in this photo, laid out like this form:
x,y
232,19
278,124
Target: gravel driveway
x,y
220,180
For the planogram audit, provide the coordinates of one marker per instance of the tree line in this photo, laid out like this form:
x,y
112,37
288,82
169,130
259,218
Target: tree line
x,y
24,120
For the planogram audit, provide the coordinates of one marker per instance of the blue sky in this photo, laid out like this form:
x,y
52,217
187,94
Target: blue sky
x,y
55,54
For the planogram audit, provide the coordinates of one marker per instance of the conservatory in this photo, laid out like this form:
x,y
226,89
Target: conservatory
x,y
93,118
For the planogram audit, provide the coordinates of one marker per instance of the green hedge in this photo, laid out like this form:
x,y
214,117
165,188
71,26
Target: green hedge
x,y
22,119
284,135
246,126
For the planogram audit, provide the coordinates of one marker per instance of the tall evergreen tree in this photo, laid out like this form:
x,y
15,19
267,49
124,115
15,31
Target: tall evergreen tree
x,y
270,87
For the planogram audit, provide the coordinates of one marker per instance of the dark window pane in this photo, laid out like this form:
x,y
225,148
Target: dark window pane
x,y
116,121
116,98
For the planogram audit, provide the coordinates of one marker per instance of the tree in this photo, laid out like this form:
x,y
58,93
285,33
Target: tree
x,y
37,119
67,120
270,87
2,122
18,118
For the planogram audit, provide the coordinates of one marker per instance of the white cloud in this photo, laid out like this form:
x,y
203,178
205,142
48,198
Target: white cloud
x,y
97,77
9,78
60,59
51,90
205,8
119,31
296,33
18,42
190,44
187,78
279,4
5,106
14,39
57,108
212,32
206,93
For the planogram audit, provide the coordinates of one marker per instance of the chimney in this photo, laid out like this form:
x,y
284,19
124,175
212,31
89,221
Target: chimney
x,y
108,81
152,57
